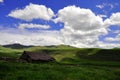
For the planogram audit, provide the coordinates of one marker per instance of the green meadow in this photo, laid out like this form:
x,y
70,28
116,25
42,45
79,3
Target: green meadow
x,y
71,64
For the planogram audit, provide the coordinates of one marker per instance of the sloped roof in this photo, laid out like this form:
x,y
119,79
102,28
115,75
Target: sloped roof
x,y
38,55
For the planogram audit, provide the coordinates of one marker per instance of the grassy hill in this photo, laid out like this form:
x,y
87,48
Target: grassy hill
x,y
101,54
16,46
71,64
65,53
16,52
7,52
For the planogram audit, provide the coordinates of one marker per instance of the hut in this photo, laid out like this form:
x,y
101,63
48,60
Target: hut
x,y
36,57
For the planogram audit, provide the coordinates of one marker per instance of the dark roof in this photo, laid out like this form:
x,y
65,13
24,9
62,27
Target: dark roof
x,y
38,55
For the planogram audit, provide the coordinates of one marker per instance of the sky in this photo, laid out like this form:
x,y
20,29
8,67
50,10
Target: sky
x,y
79,23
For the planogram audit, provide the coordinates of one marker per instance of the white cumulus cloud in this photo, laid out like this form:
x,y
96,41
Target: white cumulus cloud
x,y
32,11
113,20
102,16
31,25
27,38
115,39
81,26
107,45
1,0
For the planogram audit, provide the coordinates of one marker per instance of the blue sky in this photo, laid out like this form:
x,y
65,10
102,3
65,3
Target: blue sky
x,y
56,24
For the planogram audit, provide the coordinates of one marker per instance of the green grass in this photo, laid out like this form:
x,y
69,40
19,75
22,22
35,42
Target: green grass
x,y
88,62
55,71
61,54
7,52
71,64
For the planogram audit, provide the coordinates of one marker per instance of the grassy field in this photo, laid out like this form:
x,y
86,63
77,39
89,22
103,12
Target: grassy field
x,y
71,64
55,71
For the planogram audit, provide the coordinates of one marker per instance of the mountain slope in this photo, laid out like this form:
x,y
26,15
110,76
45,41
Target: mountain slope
x,y
16,46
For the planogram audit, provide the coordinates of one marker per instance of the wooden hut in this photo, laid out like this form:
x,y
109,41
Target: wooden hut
x,y
36,57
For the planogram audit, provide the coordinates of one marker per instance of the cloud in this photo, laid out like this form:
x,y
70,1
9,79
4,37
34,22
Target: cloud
x,y
100,6
113,39
116,31
114,19
104,5
102,16
107,45
28,38
78,18
44,38
31,25
32,11
1,1
81,26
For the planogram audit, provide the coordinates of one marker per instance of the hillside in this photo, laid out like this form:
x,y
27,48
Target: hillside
x,y
17,49
16,46
63,52
100,54
71,64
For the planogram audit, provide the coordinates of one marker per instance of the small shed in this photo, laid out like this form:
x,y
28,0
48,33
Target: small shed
x,y
36,57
